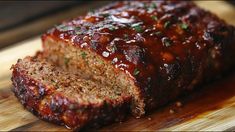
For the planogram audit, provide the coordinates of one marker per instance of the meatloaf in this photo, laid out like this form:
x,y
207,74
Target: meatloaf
x,y
131,56
68,98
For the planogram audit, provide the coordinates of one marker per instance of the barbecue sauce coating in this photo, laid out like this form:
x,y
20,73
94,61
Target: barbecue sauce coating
x,y
166,46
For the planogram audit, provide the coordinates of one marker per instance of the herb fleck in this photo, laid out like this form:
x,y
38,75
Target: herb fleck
x,y
57,86
66,61
137,28
158,33
114,48
101,62
167,24
145,6
83,54
166,41
105,15
62,27
111,28
183,26
53,81
77,30
126,36
154,17
153,5
72,106
136,72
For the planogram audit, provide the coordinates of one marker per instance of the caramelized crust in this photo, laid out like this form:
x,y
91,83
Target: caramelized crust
x,y
166,47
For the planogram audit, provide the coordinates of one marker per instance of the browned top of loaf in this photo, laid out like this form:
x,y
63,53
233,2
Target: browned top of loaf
x,y
147,39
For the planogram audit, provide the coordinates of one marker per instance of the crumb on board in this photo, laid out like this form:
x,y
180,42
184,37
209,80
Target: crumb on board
x,y
178,104
149,118
172,111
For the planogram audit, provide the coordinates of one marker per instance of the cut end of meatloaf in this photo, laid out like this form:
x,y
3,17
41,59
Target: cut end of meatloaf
x,y
67,97
71,58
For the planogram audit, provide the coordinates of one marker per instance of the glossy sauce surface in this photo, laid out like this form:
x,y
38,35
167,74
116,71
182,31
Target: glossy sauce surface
x,y
150,41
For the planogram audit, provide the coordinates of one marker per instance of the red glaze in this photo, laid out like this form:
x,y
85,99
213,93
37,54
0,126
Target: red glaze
x,y
165,46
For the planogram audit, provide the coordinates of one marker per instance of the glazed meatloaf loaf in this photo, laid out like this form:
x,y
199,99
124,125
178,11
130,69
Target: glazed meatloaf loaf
x,y
130,56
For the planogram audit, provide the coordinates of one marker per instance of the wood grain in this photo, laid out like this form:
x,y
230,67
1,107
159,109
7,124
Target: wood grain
x,y
210,108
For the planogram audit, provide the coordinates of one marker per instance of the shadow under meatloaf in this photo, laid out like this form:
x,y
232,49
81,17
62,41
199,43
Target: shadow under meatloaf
x,y
67,97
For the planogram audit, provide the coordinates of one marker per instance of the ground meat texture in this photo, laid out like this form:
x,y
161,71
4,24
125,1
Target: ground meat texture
x,y
65,97
152,50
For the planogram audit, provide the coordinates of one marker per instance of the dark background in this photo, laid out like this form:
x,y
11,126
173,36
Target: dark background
x,y
20,20
16,13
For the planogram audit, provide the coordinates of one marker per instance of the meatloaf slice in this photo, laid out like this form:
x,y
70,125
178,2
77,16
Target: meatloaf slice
x,y
70,98
156,49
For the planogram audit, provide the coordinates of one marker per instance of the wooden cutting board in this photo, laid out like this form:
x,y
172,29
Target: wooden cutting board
x,y
212,107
